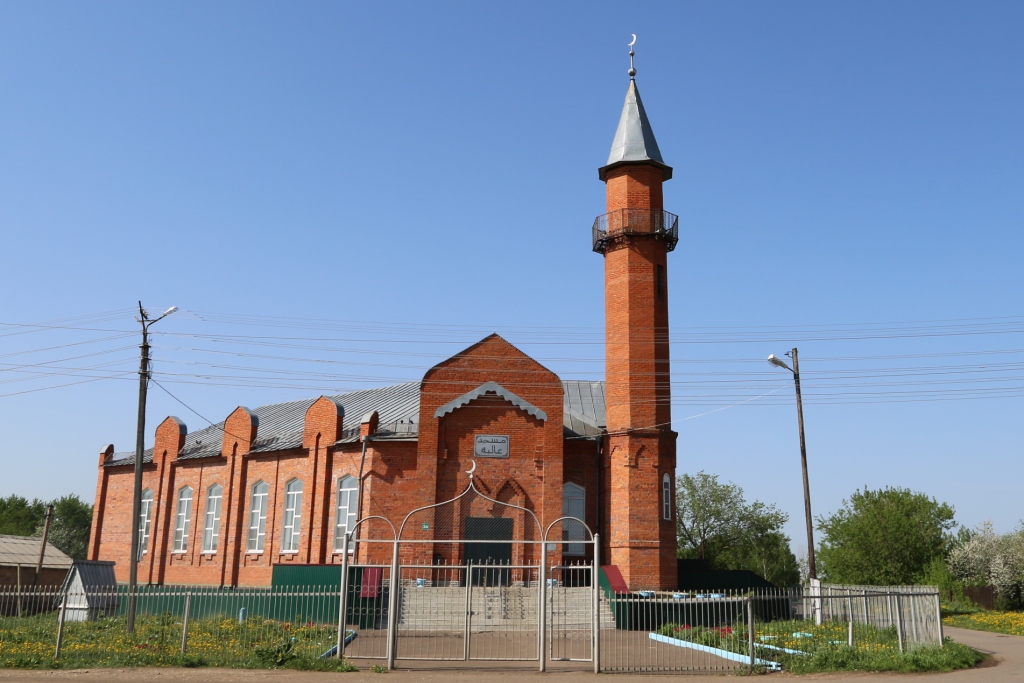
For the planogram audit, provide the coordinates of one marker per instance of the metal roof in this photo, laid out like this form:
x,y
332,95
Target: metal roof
x,y
398,409
24,550
584,413
281,424
634,138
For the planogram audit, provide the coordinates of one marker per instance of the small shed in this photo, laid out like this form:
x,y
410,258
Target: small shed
x,y
19,556
90,590
20,591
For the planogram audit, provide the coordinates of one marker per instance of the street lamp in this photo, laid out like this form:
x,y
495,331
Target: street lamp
x,y
144,373
779,363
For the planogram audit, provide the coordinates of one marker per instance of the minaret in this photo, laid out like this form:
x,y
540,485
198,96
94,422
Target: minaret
x,y
635,236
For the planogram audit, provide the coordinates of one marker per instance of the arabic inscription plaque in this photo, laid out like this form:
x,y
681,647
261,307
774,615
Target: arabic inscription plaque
x,y
491,446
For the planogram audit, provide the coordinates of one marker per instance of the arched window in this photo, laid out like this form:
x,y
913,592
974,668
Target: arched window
x,y
257,517
181,520
666,497
292,517
145,517
211,527
574,504
347,511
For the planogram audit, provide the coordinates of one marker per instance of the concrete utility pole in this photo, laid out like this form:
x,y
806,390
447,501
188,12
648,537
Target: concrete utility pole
x,y
812,571
140,434
42,544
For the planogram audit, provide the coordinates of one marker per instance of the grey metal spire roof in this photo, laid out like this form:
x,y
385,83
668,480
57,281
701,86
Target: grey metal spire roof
x,y
634,141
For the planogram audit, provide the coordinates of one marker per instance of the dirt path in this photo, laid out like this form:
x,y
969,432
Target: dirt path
x,y
1008,653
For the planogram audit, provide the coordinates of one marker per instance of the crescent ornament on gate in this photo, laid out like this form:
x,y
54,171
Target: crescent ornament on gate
x,y
472,469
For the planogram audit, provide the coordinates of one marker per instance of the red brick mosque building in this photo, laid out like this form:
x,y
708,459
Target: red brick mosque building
x,y
281,484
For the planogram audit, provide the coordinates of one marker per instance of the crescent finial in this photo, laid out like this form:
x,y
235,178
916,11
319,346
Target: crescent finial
x,y
472,469
632,71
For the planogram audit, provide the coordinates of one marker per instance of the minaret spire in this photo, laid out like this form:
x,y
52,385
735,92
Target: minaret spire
x,y
634,141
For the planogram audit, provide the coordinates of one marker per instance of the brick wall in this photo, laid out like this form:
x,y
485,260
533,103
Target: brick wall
x,y
641,445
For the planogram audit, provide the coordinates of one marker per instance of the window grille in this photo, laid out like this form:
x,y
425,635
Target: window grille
x,y
347,510
257,517
291,528
574,504
145,517
666,497
181,520
211,528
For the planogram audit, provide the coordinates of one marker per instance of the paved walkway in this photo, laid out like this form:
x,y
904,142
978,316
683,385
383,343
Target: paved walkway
x,y
1007,656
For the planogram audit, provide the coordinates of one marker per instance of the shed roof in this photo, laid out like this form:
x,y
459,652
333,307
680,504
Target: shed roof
x,y
24,550
398,408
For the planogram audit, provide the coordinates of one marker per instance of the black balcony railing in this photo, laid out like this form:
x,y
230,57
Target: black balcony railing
x,y
625,222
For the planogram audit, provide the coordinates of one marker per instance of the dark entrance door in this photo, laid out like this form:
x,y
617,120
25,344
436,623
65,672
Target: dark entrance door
x,y
493,554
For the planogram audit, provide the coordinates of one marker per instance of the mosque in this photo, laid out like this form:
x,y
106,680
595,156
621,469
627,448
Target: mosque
x,y
282,484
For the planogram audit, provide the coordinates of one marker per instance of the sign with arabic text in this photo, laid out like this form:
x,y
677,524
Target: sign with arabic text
x,y
491,446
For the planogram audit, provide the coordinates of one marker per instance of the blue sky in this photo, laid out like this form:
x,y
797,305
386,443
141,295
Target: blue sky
x,y
428,170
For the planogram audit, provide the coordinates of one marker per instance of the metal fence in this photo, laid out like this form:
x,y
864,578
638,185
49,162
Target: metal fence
x,y
472,613
233,627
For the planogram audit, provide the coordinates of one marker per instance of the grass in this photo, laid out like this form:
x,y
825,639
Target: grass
x,y
28,643
1011,623
825,647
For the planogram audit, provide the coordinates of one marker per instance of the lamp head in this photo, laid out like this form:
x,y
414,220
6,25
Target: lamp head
x,y
778,362
172,309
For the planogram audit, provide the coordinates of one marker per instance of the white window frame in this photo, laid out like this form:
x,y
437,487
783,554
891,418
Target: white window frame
x,y
145,519
291,528
258,497
182,520
211,526
346,509
666,497
570,530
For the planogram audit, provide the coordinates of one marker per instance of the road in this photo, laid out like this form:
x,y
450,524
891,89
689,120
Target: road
x,y
1006,665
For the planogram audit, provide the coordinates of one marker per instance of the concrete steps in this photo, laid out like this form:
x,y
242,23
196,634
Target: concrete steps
x,y
443,608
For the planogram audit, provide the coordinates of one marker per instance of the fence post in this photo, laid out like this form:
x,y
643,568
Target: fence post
x,y
393,609
913,616
19,589
595,649
339,648
469,609
184,621
938,616
60,623
899,621
542,611
750,631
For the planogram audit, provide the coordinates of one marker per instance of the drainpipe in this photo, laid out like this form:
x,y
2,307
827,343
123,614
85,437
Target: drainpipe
x,y
597,500
359,510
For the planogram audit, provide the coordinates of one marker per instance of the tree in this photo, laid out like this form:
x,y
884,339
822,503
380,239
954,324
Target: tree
x,y
19,517
715,523
884,537
987,558
70,526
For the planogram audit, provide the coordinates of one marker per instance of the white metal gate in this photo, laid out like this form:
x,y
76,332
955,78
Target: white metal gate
x,y
470,579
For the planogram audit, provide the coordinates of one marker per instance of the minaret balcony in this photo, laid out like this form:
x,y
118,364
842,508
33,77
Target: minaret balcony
x,y
625,223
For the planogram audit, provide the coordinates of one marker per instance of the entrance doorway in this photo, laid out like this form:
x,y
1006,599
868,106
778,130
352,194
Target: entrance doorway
x,y
496,552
